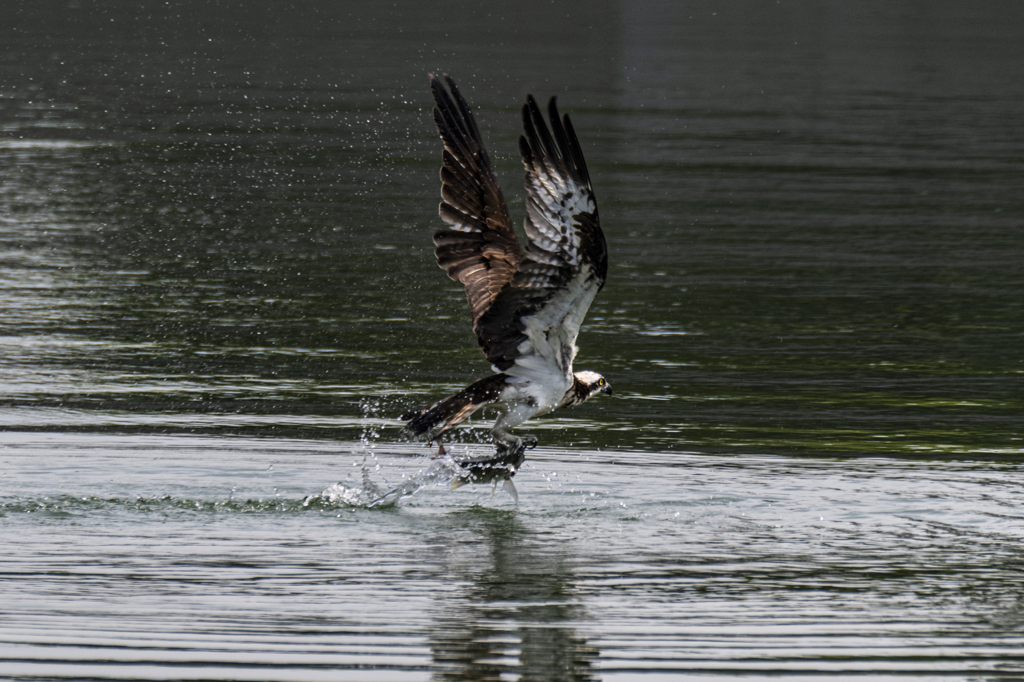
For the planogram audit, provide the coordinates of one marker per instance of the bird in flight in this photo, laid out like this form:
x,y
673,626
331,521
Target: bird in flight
x,y
526,303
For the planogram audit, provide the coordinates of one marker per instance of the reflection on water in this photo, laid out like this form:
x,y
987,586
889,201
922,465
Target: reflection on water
x,y
514,605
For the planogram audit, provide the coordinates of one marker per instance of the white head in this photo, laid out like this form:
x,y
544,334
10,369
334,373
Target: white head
x,y
588,384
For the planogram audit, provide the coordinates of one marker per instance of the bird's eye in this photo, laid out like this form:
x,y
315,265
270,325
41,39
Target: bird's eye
x,y
600,382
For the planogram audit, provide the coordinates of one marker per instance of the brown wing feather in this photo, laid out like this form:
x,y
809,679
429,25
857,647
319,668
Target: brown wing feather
x,y
481,250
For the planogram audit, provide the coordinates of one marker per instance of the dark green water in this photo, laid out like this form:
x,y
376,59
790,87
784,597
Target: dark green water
x,y
215,232
815,243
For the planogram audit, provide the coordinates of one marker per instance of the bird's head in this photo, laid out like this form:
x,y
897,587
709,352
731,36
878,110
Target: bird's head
x,y
589,384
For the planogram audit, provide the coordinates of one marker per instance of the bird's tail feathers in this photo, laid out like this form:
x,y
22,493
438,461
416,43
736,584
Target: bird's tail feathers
x,y
434,420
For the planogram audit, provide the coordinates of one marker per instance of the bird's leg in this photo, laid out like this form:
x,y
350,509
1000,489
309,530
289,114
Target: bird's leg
x,y
502,445
502,438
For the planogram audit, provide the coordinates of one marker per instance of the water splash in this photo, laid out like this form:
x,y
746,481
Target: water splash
x,y
452,471
368,494
370,433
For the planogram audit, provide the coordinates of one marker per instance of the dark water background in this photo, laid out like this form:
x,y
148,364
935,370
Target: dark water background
x,y
215,257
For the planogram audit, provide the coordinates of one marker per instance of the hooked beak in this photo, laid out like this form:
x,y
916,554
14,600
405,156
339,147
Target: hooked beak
x,y
607,389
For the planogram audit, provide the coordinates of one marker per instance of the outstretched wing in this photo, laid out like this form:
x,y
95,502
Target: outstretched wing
x,y
531,327
480,250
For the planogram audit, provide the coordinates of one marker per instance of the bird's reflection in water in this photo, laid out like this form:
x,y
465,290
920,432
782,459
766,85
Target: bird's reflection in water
x,y
512,608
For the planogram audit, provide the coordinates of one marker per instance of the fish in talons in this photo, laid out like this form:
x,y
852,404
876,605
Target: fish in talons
x,y
499,467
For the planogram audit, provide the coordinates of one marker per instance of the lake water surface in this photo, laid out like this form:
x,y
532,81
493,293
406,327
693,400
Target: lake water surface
x,y
217,292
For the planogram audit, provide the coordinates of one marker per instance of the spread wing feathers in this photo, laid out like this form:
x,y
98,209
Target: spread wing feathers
x,y
533,323
480,250
448,413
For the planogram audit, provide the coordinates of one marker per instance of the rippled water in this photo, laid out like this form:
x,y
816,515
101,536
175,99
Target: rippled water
x,y
217,293
204,559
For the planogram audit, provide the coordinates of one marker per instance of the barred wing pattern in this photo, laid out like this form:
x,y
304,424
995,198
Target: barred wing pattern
x,y
526,307
480,250
531,328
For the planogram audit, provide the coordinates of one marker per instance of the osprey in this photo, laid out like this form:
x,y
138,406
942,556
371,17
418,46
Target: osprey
x,y
527,304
